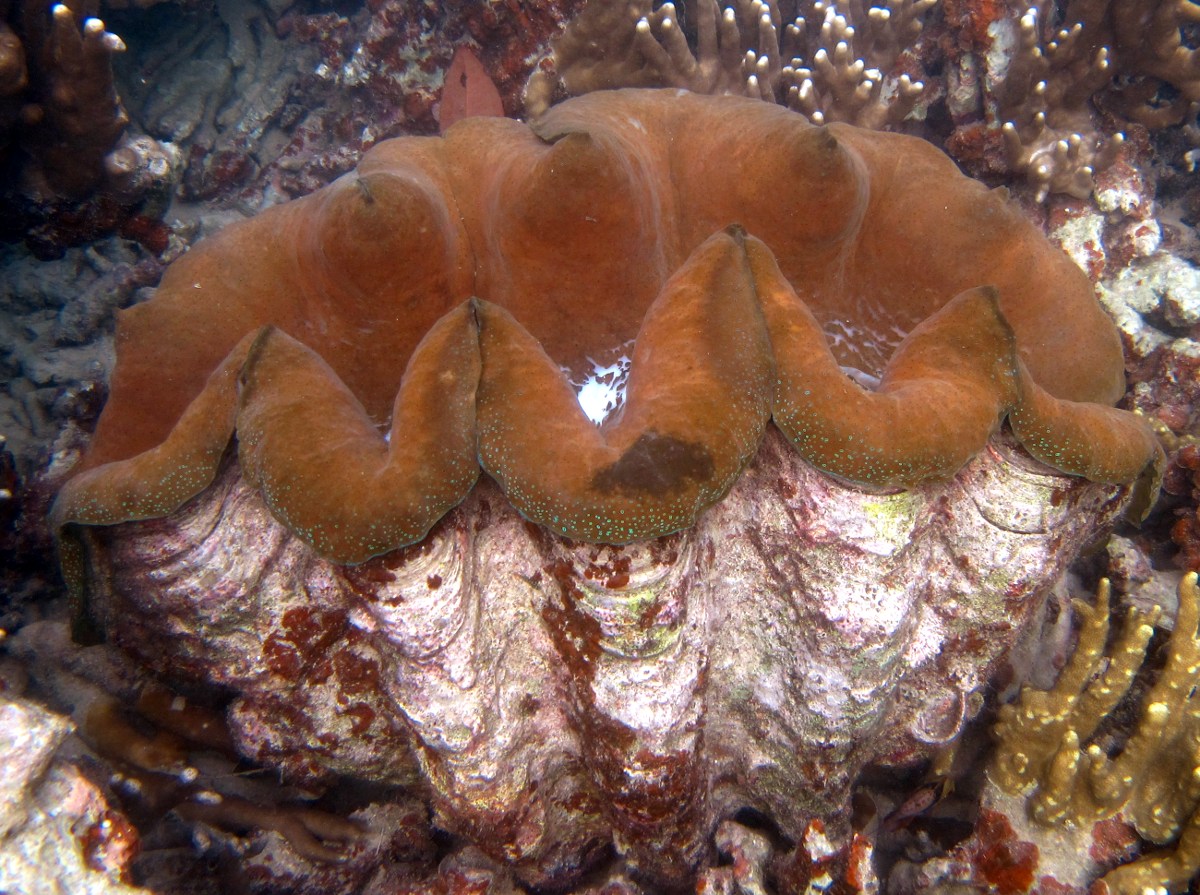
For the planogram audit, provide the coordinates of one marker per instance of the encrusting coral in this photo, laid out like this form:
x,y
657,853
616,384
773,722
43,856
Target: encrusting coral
x,y
537,225
1043,748
1034,84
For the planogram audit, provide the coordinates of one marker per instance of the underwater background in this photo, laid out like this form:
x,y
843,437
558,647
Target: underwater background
x,y
130,131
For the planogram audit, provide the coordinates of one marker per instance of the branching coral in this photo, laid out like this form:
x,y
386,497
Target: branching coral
x,y
632,44
70,171
1122,53
851,66
1028,85
1160,83
819,63
56,82
1154,781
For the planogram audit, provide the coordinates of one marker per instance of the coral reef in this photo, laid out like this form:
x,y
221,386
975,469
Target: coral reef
x,y
280,101
1027,93
564,701
237,101
1071,796
271,103
60,105
70,170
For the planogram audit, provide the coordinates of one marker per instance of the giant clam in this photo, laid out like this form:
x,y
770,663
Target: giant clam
x,y
752,580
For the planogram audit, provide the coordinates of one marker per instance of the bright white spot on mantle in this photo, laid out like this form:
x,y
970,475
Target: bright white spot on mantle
x,y
602,392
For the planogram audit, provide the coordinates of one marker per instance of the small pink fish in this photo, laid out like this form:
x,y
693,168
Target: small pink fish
x,y
468,91
919,801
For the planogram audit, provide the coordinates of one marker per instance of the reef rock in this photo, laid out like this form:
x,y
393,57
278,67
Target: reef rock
x,y
59,831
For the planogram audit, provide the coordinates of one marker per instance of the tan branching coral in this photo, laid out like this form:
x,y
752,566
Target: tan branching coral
x,y
818,64
854,69
1031,85
1044,96
632,44
1147,48
58,102
1153,782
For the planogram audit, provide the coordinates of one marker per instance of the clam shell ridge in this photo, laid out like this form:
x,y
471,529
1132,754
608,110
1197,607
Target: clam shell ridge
x,y
452,288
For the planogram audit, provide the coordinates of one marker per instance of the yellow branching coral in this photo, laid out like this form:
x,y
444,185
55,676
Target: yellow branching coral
x,y
1153,782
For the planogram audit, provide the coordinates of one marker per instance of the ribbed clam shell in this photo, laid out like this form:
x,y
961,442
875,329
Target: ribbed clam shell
x,y
559,696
